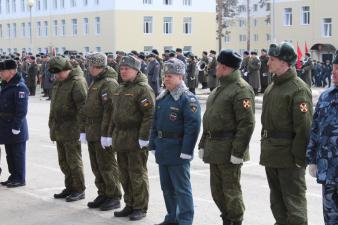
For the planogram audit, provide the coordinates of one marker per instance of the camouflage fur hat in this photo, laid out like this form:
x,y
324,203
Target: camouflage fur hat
x,y
59,64
97,59
131,62
284,51
174,66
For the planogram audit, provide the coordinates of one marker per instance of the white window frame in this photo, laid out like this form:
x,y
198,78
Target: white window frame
x,y
22,5
63,28
97,24
168,25
85,26
305,15
74,27
55,28
187,25
287,16
167,2
23,29
227,38
327,27
148,22
147,2
187,2
38,29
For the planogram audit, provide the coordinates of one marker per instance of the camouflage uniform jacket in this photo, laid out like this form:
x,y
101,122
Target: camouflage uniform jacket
x,y
66,109
322,148
133,110
228,121
98,107
286,120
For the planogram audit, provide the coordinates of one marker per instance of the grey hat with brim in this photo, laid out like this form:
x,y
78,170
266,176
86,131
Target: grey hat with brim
x,y
174,66
131,61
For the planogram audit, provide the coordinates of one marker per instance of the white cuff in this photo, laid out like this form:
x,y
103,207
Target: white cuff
x,y
201,153
313,170
185,156
143,143
109,141
16,132
235,160
103,142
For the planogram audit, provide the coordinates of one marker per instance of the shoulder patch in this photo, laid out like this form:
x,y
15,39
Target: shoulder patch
x,y
146,103
303,107
22,94
247,104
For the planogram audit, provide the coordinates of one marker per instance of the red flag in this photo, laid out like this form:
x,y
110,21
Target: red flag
x,y
306,49
300,55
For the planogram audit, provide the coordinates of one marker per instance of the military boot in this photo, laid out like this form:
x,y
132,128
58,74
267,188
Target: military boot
x,y
110,204
63,194
126,211
137,215
98,201
75,196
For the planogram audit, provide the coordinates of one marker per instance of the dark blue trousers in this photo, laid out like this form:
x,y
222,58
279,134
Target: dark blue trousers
x,y
177,193
330,204
16,161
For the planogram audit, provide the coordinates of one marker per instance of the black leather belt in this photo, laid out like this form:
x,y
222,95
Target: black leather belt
x,y
219,134
166,134
278,135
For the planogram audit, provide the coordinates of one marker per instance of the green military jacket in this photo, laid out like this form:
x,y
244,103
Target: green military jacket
x,y
228,121
66,108
133,111
286,121
99,106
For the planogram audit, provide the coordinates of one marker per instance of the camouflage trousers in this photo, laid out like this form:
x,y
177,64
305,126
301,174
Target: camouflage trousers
x,y
70,161
134,178
226,190
287,195
104,167
330,204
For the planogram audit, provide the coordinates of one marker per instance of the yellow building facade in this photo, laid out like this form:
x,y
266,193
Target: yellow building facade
x,y
107,25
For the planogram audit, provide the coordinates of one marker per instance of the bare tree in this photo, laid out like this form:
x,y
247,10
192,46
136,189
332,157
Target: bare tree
x,y
226,9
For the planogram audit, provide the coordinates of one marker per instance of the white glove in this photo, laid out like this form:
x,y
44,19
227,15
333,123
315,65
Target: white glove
x,y
152,152
235,160
143,143
109,141
16,132
185,156
313,170
103,142
83,138
201,153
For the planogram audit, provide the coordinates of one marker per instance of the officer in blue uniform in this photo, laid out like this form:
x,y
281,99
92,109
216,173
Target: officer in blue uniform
x,y
13,124
322,152
174,134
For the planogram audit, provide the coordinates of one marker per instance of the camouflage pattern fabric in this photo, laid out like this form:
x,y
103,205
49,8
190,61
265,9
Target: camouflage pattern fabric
x,y
330,204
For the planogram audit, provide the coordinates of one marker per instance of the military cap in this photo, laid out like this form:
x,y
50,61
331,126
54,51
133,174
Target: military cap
x,y
174,66
155,51
8,64
264,50
229,58
172,53
32,57
178,50
213,52
134,52
246,53
151,55
131,61
59,64
110,55
253,53
97,59
17,58
335,60
283,51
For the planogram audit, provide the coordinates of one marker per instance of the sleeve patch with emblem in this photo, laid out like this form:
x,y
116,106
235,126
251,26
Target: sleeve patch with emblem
x,y
145,103
193,107
21,94
303,107
104,97
246,104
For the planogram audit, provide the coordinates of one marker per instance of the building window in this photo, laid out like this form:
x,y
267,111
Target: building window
x,y
167,2
85,26
0,6
97,25
14,30
168,25
72,3
28,29
38,29
45,29
306,15
97,2
268,37
187,25
55,4
241,8
8,10
62,4
148,48
227,38
187,48
255,7
63,28
86,50
45,5
287,16
23,30
22,5
242,37
255,22
268,6
98,49
1,35
148,25
255,37
241,23
74,27
187,2
13,6
85,2
327,27
147,2
38,5
63,49
55,28
168,48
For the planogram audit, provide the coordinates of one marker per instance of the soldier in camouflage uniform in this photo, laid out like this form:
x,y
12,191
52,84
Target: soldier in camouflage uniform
x,y
133,109
98,110
286,120
322,154
65,119
228,124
